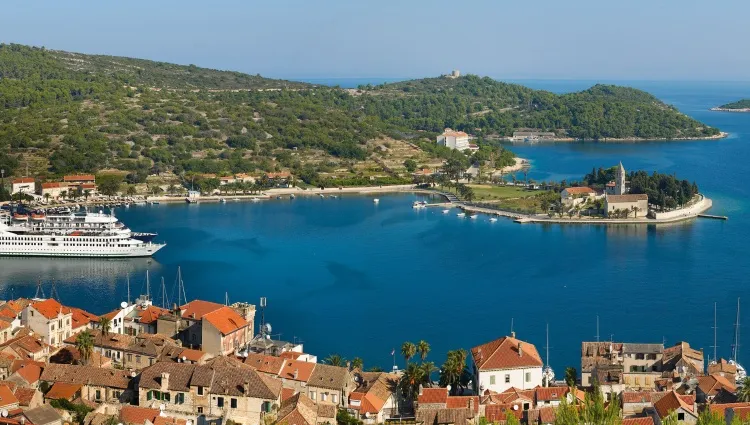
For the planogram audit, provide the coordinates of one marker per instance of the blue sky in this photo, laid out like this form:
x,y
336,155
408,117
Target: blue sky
x,y
557,39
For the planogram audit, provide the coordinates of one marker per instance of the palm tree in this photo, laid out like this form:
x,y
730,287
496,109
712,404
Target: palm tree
x,y
85,345
408,349
86,194
412,378
171,189
423,348
427,369
105,324
335,360
743,393
453,369
357,363
47,196
64,194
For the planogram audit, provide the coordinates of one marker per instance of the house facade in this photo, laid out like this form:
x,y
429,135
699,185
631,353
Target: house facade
x,y
635,204
96,384
506,363
25,185
572,196
50,320
453,139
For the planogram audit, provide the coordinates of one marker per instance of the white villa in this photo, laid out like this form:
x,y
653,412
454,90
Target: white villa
x,y
454,139
26,185
506,362
572,196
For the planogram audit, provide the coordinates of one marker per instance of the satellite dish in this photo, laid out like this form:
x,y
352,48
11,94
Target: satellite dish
x,y
4,413
448,388
123,304
515,407
184,358
268,328
162,407
245,354
133,374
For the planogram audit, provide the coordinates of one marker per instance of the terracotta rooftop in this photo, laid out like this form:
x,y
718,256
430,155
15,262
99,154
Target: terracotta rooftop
x,y
75,374
52,185
225,320
168,420
671,401
433,396
50,308
23,180
7,398
79,178
721,408
461,402
63,390
25,395
632,197
82,318
648,420
452,133
712,384
506,353
137,415
264,363
198,308
150,314
330,377
302,370
550,393
579,190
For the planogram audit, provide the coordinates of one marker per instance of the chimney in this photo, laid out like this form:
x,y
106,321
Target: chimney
x,y
520,349
471,404
512,334
164,381
296,373
421,389
246,388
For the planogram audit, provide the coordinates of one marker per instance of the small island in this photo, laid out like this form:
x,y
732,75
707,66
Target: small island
x,y
742,105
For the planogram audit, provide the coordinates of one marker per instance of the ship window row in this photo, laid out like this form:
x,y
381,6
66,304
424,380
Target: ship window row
x,y
24,243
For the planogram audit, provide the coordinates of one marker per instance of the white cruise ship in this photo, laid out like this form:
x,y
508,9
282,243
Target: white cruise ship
x,y
66,234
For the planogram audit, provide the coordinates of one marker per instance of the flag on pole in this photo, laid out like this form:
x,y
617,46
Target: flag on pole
x,y
393,351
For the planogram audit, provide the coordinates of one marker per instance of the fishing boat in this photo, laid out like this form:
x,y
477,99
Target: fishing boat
x,y
473,216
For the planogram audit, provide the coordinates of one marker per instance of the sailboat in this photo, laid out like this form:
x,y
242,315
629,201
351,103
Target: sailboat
x,y
548,375
741,373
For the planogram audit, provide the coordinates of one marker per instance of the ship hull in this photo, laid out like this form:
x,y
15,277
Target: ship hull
x,y
141,251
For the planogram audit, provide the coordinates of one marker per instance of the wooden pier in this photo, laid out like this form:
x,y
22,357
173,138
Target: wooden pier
x,y
715,217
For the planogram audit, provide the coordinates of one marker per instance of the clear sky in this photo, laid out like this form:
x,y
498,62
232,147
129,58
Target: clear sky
x,y
558,39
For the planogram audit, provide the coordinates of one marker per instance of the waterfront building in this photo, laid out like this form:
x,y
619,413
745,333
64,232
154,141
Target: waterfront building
x,y
572,196
25,185
532,136
504,363
301,410
223,331
222,388
54,189
374,400
126,351
636,205
143,319
94,384
454,139
330,384
620,366
77,179
50,320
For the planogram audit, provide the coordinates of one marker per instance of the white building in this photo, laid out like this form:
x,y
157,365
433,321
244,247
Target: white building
x,y
454,139
506,362
572,196
54,189
50,320
635,204
26,185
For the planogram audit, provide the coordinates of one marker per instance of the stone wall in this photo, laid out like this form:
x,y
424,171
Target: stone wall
x,y
693,210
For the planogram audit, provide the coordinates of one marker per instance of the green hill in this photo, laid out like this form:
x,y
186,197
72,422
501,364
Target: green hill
x,y
66,112
740,104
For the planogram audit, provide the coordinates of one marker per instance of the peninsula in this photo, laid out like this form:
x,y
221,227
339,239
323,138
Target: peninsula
x,y
738,106
158,125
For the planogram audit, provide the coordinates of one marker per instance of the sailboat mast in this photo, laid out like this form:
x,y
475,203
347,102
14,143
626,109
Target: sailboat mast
x,y
547,346
148,287
163,293
736,350
715,346
127,278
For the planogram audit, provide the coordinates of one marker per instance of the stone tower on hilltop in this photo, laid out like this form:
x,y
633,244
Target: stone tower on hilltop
x,y
620,188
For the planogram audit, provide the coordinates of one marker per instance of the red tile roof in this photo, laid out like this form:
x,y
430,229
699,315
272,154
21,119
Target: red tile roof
x,y
23,180
452,133
192,355
579,190
137,415
82,318
720,408
52,185
198,308
225,320
547,415
671,401
30,372
49,308
303,369
433,395
504,353
25,395
711,384
63,390
550,393
7,397
263,363
640,396
286,393
150,314
279,175
499,412
290,355
462,402
648,420
168,420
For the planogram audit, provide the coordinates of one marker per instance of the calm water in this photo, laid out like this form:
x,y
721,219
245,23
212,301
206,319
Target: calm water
x,y
348,276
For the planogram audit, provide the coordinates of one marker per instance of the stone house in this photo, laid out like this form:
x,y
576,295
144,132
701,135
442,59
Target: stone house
x,y
26,346
683,405
130,352
636,204
96,384
572,196
50,320
301,410
221,388
330,384
223,331
374,400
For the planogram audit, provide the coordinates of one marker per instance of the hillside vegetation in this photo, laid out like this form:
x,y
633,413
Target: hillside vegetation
x,y
65,112
740,104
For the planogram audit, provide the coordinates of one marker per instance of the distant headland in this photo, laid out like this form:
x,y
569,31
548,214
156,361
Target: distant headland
x,y
742,105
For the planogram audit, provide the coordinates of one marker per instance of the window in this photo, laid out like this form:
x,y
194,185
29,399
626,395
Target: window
x,y
334,398
200,410
651,356
53,327
507,379
116,394
165,396
137,359
312,395
52,340
526,406
528,376
233,403
680,416
492,379
149,395
640,356
98,395
200,390
130,357
323,396
220,402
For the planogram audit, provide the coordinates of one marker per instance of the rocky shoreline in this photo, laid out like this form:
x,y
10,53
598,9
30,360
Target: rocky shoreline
x,y
719,109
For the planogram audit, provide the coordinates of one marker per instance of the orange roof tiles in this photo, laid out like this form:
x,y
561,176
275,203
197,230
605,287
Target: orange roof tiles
x,y
7,397
711,384
49,308
433,395
63,390
52,185
30,372
671,401
286,393
279,175
462,402
82,317
290,355
303,370
137,415
198,308
192,355
640,396
151,314
648,420
263,363
225,320
168,420
25,395
550,393
721,408
452,133
579,190
23,180
504,353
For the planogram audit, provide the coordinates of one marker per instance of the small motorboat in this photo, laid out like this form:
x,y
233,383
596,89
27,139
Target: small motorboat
x,y
446,211
473,217
376,200
419,204
292,196
493,219
322,196
461,215
222,200
255,200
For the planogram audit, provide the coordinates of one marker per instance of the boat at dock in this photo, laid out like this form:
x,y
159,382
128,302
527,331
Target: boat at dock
x,y
461,215
222,200
419,204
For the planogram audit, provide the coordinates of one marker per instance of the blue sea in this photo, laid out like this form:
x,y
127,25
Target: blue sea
x,y
356,278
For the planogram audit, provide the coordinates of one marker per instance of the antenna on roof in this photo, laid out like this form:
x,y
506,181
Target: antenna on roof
x,y
226,298
148,286
715,328
511,326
